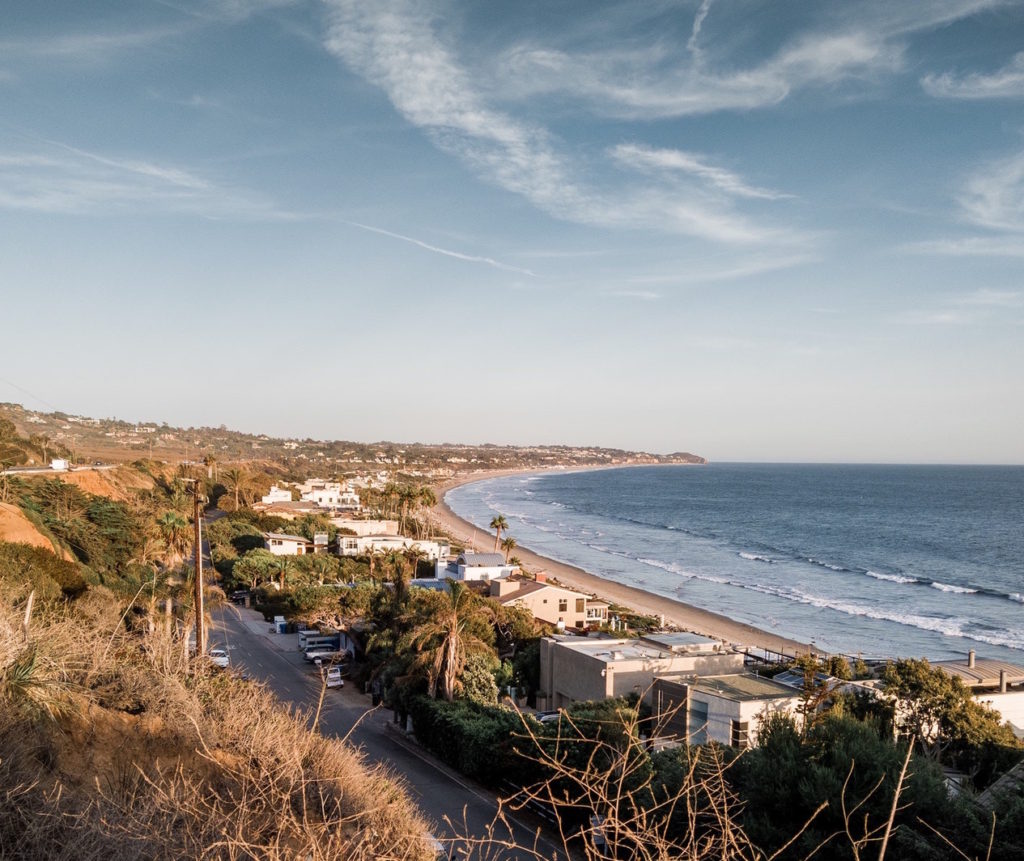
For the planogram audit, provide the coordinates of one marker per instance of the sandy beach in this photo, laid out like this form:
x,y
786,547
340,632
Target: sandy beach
x,y
677,613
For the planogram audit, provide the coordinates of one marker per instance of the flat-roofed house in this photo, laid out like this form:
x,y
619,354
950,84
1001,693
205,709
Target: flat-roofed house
x,y
577,668
997,684
728,708
277,494
363,545
282,544
476,566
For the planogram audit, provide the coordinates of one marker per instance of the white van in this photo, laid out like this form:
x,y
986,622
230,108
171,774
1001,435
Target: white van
x,y
333,677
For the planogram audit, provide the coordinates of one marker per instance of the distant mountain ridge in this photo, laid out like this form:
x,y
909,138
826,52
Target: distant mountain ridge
x,y
111,439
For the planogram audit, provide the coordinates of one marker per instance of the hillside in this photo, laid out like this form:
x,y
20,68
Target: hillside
x,y
111,440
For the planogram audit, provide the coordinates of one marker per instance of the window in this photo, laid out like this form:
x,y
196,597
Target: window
x,y
563,605
740,734
580,604
697,722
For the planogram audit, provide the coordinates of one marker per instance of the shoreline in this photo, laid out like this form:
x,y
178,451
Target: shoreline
x,y
678,613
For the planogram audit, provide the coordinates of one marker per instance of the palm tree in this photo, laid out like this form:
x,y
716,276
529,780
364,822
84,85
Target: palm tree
x,y
407,496
211,466
234,478
443,642
284,565
426,498
176,533
508,545
497,524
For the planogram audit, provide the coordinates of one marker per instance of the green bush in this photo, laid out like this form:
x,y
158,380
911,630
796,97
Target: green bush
x,y
24,568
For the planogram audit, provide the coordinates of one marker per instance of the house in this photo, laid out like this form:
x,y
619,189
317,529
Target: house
x,y
364,545
997,684
287,510
553,604
277,494
329,494
282,544
727,708
476,566
366,527
595,668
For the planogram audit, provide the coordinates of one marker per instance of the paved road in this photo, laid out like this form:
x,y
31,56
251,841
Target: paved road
x,y
439,792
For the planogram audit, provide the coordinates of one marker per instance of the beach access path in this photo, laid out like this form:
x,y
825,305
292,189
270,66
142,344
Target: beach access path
x,y
677,613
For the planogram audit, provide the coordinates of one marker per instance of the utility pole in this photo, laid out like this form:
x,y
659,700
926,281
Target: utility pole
x,y
198,581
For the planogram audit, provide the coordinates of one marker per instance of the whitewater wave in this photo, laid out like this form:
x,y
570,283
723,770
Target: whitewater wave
x,y
948,587
1016,596
754,557
823,564
891,578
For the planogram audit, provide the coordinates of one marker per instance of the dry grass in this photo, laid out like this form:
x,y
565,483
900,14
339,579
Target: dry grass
x,y
111,746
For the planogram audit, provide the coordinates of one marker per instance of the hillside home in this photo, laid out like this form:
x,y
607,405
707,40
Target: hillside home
x,y
728,708
282,544
363,545
476,566
997,684
329,494
595,668
555,605
277,494
366,527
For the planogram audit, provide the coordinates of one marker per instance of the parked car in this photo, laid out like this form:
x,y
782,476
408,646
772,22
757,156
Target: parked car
x,y
240,596
332,676
219,657
324,654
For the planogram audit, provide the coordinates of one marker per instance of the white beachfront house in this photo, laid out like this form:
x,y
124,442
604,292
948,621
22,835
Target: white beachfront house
x,y
282,544
277,494
475,566
364,545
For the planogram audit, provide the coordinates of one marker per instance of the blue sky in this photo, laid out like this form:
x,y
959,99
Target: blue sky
x,y
754,231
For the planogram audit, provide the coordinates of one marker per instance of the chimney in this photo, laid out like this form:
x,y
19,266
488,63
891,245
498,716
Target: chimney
x,y
970,658
541,577
1002,681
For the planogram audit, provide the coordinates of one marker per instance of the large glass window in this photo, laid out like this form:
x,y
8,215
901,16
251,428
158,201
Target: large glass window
x,y
697,722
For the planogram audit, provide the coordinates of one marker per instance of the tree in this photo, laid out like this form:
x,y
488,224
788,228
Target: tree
x,y
442,642
177,536
427,498
938,711
234,481
508,545
498,523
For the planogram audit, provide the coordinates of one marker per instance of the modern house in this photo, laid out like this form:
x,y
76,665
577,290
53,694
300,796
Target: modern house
x,y
553,604
277,494
329,494
366,527
282,544
596,668
476,566
997,684
728,708
363,545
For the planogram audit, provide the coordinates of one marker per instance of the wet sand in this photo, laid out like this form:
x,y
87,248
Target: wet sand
x,y
678,614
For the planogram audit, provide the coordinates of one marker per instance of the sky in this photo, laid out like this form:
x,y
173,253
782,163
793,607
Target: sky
x,y
754,231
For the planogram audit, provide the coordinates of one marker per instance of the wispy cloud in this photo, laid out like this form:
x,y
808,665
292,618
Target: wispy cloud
x,y
970,308
704,274
970,246
989,298
90,47
850,41
1004,83
692,164
394,45
994,196
68,180
458,255
645,295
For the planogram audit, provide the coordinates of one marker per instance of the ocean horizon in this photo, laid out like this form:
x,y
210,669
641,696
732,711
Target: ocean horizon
x,y
883,560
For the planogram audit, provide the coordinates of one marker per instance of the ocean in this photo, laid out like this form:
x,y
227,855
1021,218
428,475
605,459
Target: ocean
x,y
884,561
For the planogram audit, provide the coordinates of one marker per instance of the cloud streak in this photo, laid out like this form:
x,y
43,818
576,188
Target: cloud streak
x,y
692,164
70,181
458,255
1005,83
394,46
